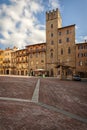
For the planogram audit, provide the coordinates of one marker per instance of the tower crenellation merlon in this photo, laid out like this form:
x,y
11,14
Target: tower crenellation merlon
x,y
52,14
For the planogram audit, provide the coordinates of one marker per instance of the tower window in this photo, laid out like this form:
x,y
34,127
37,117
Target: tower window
x,y
51,34
51,25
69,50
42,61
60,41
51,55
52,42
61,51
51,50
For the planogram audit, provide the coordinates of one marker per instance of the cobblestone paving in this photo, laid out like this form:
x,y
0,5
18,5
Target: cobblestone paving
x,y
28,116
68,95
18,112
15,87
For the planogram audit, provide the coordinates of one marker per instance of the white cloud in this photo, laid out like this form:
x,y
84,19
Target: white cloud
x,y
19,24
77,27
81,39
54,4
85,38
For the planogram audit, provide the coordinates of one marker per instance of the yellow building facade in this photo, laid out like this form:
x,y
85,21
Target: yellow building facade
x,y
1,61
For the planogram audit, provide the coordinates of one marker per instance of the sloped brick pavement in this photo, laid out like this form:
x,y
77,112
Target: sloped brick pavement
x,y
16,115
17,87
28,116
68,95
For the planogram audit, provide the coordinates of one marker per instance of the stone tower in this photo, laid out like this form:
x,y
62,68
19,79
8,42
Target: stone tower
x,y
53,22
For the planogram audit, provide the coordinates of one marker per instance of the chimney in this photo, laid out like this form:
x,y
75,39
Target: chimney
x,y
85,40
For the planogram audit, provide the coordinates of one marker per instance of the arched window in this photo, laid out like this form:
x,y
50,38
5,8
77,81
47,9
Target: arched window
x,y
51,55
51,50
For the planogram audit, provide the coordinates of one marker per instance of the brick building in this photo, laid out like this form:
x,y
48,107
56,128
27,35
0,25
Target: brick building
x,y
59,56
36,59
60,44
19,62
7,60
1,61
81,59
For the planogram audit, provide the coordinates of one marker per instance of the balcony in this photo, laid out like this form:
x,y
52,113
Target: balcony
x,y
6,61
22,61
6,66
36,51
21,55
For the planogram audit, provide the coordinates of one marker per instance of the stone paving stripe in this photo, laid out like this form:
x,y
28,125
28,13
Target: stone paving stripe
x,y
14,99
35,96
71,115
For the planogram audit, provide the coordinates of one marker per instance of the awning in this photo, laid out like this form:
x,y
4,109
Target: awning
x,y
40,70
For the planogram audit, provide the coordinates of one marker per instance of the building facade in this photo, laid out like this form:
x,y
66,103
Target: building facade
x,y
19,62
60,56
53,22
1,61
60,44
36,59
81,59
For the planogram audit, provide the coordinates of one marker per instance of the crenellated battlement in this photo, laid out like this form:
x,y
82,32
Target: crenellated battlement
x,y
52,14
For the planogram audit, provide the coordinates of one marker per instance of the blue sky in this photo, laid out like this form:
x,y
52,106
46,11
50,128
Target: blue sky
x,y
22,22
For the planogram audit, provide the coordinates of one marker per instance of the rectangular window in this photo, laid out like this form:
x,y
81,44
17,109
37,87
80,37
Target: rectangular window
x,y
85,54
51,34
52,42
67,39
81,63
51,55
61,51
69,50
36,54
51,25
59,33
60,41
30,55
86,62
80,55
42,61
85,46
67,32
80,47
